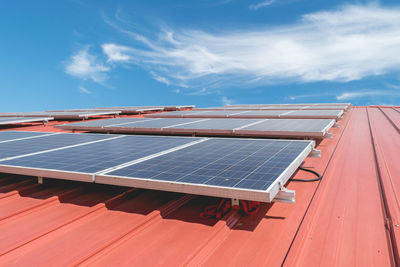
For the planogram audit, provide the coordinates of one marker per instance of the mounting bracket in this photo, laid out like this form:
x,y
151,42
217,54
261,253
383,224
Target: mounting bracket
x,y
285,196
235,202
315,153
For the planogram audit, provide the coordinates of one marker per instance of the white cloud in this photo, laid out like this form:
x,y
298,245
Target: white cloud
x,y
295,97
361,94
342,45
160,78
393,86
226,101
86,66
116,53
84,90
261,4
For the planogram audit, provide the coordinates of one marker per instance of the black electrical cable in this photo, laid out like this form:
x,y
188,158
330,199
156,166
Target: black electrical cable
x,y
319,176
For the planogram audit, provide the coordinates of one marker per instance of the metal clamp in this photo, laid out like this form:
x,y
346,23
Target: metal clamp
x,y
285,196
315,153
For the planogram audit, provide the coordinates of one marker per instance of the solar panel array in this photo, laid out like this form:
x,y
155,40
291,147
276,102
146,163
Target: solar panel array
x,y
316,128
247,169
290,114
15,120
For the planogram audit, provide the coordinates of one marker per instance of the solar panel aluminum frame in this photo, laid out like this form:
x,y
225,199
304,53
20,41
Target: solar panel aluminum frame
x,y
48,173
87,115
292,134
275,108
205,114
287,116
71,115
97,129
238,132
210,190
26,119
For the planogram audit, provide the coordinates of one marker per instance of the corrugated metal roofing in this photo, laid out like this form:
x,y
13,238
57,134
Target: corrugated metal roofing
x,y
349,218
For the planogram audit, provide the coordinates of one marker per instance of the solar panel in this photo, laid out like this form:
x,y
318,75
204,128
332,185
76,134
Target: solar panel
x,y
156,123
297,107
316,128
298,128
178,114
237,168
46,142
89,125
81,162
234,168
215,124
14,120
7,136
252,114
292,104
316,113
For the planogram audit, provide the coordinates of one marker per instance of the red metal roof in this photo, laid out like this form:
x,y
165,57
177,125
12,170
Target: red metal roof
x,y
349,218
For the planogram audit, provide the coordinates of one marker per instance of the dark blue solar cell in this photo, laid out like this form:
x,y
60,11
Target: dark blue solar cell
x,y
102,123
10,135
96,157
27,146
158,122
232,163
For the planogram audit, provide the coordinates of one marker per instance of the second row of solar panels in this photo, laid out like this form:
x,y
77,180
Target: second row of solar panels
x,y
298,128
252,114
276,108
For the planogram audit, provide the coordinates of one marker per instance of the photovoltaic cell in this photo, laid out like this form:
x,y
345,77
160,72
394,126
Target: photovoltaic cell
x,y
95,157
213,126
11,135
227,124
27,146
297,107
159,123
100,123
220,163
291,125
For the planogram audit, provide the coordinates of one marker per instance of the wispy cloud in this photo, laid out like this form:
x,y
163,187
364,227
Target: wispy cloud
x,y
226,101
393,86
361,94
349,43
84,90
261,4
116,53
86,66
305,96
160,78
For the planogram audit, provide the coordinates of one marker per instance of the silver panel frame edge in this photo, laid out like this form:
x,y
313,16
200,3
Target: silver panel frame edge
x,y
47,173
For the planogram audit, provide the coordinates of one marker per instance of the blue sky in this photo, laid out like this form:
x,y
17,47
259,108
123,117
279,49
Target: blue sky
x,y
78,53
